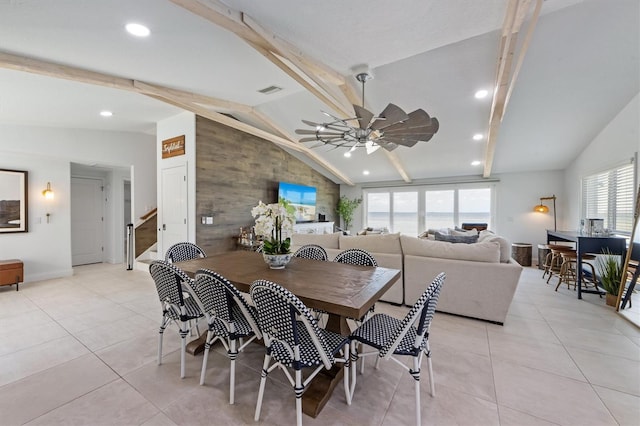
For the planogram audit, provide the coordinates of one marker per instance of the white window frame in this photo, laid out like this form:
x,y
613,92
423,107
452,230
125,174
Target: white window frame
x,y
420,189
611,207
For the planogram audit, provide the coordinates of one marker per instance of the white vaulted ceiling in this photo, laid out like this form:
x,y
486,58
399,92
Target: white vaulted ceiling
x,y
581,68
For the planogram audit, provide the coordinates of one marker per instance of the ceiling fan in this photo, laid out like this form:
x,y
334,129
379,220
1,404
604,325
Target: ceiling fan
x,y
392,128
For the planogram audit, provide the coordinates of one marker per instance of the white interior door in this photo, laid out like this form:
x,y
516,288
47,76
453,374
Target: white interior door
x,y
173,228
87,221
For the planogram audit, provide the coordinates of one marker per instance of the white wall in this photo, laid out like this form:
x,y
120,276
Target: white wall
x,y
516,196
181,124
47,154
618,142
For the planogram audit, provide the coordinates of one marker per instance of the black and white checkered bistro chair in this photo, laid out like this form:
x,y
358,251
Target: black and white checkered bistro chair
x,y
180,252
356,256
294,341
391,337
173,285
230,319
312,251
360,257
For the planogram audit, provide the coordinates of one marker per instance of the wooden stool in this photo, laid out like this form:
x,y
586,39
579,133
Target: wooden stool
x,y
554,260
11,272
569,272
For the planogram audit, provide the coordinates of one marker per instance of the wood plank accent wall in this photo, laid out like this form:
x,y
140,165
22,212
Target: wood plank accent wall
x,y
235,170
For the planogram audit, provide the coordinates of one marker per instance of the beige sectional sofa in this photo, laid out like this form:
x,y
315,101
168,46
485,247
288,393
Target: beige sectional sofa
x,y
385,248
481,277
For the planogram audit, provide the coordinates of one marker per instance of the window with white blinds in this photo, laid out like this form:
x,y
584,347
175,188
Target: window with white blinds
x,y
609,195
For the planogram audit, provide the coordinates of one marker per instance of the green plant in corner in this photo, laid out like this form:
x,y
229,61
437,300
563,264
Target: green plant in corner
x,y
345,210
610,271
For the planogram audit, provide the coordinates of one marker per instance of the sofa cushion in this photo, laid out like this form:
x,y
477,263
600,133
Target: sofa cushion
x,y
479,252
468,239
328,241
380,243
505,247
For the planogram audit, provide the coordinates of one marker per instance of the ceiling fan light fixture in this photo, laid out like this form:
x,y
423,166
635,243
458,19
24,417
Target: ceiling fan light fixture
x,y
389,129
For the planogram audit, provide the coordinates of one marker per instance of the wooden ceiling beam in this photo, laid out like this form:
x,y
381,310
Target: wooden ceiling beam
x,y
185,100
221,15
277,50
209,101
66,72
517,11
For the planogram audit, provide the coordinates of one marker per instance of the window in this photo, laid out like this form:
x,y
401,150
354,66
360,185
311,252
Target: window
x,y
609,195
439,209
474,205
378,210
428,207
405,212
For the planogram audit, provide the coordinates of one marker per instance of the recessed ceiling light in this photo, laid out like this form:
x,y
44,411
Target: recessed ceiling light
x,y
478,137
106,113
476,163
365,172
137,30
347,154
480,94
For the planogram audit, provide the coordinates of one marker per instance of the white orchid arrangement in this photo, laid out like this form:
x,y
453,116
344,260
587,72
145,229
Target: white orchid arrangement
x,y
274,222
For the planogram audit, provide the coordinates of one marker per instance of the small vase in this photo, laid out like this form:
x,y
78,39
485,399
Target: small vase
x,y
611,299
276,261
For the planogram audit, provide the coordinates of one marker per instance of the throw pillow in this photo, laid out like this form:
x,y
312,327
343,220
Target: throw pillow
x,y
467,239
462,232
505,247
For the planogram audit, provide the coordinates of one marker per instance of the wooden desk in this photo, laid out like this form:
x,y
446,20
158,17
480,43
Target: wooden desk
x,y
589,244
339,289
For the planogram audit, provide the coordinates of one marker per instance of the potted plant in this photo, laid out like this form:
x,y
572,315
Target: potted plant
x,y
345,210
274,222
610,271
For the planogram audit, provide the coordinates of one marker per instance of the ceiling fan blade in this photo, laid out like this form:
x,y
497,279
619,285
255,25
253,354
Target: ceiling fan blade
x,y
364,116
389,146
391,115
316,132
408,142
308,140
312,124
418,120
305,132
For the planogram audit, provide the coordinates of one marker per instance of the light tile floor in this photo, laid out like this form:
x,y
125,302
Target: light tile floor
x,y
81,350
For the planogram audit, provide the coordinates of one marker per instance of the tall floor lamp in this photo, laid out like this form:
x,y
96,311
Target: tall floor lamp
x,y
541,208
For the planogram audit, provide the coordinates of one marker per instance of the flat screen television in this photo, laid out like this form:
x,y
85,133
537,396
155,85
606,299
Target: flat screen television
x,y
302,197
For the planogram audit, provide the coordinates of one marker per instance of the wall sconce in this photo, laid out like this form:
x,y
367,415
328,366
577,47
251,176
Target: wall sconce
x,y
541,208
48,192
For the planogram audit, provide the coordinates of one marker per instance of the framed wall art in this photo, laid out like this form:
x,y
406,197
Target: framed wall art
x,y
13,201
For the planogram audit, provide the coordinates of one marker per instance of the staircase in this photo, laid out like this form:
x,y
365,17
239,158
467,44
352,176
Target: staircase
x,y
146,240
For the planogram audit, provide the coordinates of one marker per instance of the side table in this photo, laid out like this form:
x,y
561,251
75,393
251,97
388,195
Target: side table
x,y
521,252
11,272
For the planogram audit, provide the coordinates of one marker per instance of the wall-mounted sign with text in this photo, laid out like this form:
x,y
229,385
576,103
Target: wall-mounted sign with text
x,y
173,147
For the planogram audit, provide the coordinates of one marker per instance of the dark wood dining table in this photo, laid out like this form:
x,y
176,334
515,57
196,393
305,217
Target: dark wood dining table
x,y
342,290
